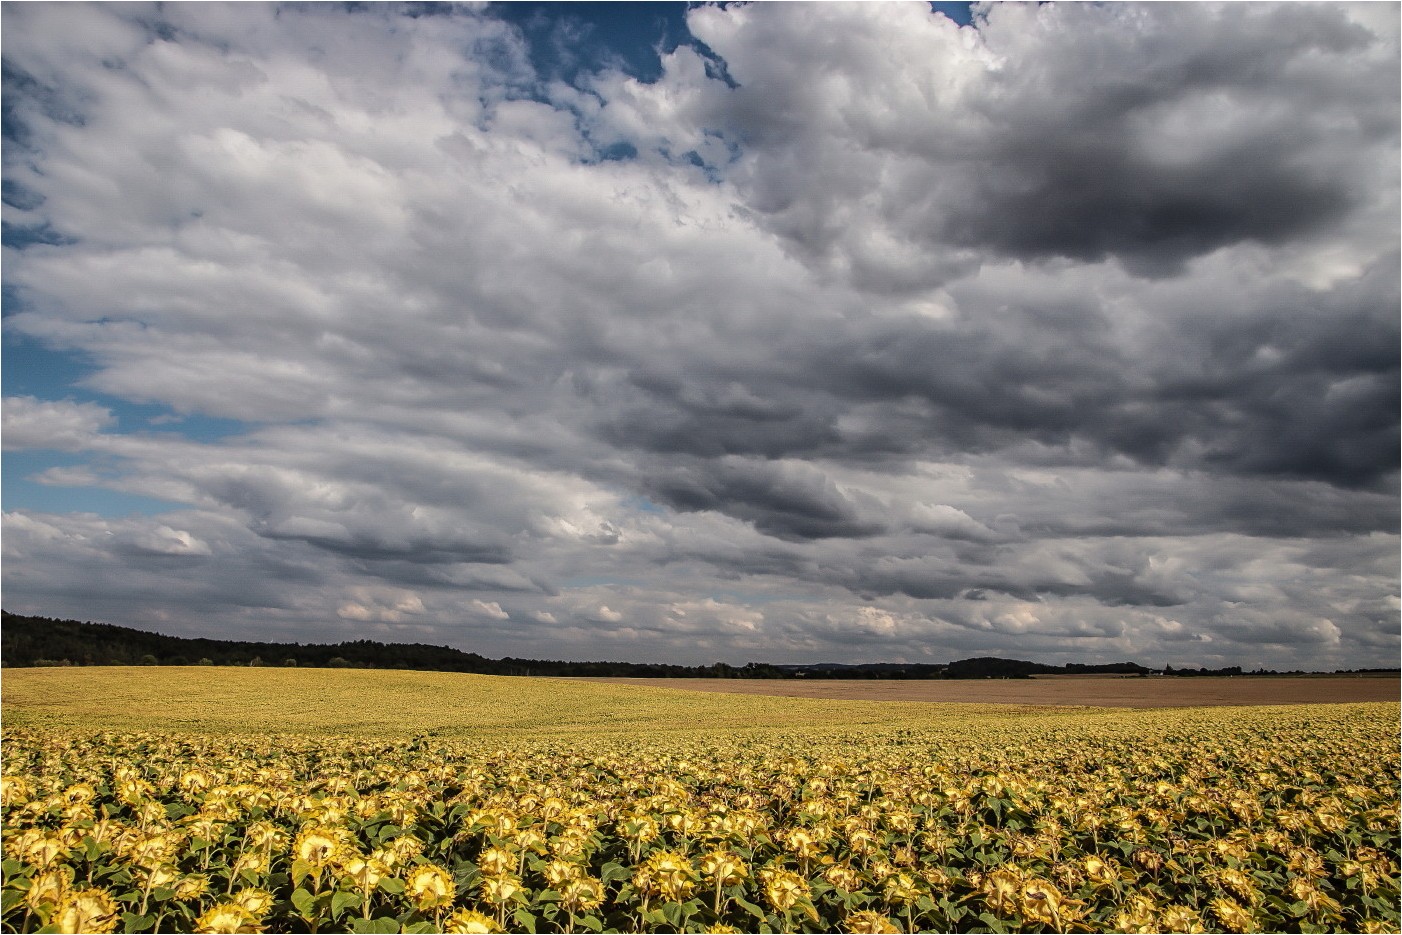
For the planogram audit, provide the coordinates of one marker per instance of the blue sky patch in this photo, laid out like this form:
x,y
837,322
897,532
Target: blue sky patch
x,y
573,38
20,491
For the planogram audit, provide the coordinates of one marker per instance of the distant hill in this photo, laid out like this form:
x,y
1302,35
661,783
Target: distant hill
x,y
41,641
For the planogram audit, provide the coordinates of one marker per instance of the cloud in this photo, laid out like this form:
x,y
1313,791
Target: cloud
x,y
61,426
380,604
162,541
490,609
1071,334
895,147
785,500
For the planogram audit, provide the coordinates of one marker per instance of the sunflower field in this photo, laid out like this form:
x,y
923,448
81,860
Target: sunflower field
x,y
1173,820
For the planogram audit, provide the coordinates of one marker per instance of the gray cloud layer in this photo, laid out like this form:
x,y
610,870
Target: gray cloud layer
x,y
1072,335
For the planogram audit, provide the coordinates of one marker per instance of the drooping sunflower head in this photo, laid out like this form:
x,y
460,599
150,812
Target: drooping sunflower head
x,y
666,874
41,850
868,922
430,887
783,888
582,894
801,843
530,839
404,849
264,834
364,872
161,875
901,889
48,889
255,901
88,910
844,877
227,919
254,862
468,922
495,861
192,886
1233,916
1151,860
498,890
15,790
1042,902
79,792
1238,883
1000,890
316,846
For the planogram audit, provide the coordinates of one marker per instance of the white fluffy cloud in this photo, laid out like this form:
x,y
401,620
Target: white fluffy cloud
x,y
62,426
895,337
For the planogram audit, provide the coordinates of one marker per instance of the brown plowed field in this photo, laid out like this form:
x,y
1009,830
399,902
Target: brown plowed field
x,y
1065,690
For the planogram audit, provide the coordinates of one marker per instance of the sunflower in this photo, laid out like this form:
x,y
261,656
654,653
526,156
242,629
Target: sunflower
x,y
15,790
494,861
191,887
403,849
783,889
1043,903
1232,915
89,910
430,887
44,849
844,877
1000,890
666,874
1315,900
227,919
558,872
1238,883
498,890
48,889
255,901
1137,917
867,922
468,922
581,894
317,847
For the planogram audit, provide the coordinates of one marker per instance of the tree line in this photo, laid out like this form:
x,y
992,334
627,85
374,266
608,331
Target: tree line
x,y
41,641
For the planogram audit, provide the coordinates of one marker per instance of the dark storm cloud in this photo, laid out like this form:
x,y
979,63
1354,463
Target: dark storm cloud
x,y
1072,170
981,389
1090,138
1294,384
788,501
1019,571
1089,202
374,545
706,418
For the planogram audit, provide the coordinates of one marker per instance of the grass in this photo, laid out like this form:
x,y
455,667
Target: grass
x,y
353,702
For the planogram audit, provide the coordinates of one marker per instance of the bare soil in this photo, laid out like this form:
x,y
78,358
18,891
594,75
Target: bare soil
x,y
1064,690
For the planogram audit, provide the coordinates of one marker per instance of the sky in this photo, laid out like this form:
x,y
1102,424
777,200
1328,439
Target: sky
x,y
779,332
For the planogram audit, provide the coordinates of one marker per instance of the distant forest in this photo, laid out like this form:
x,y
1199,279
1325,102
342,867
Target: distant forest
x,y
41,641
